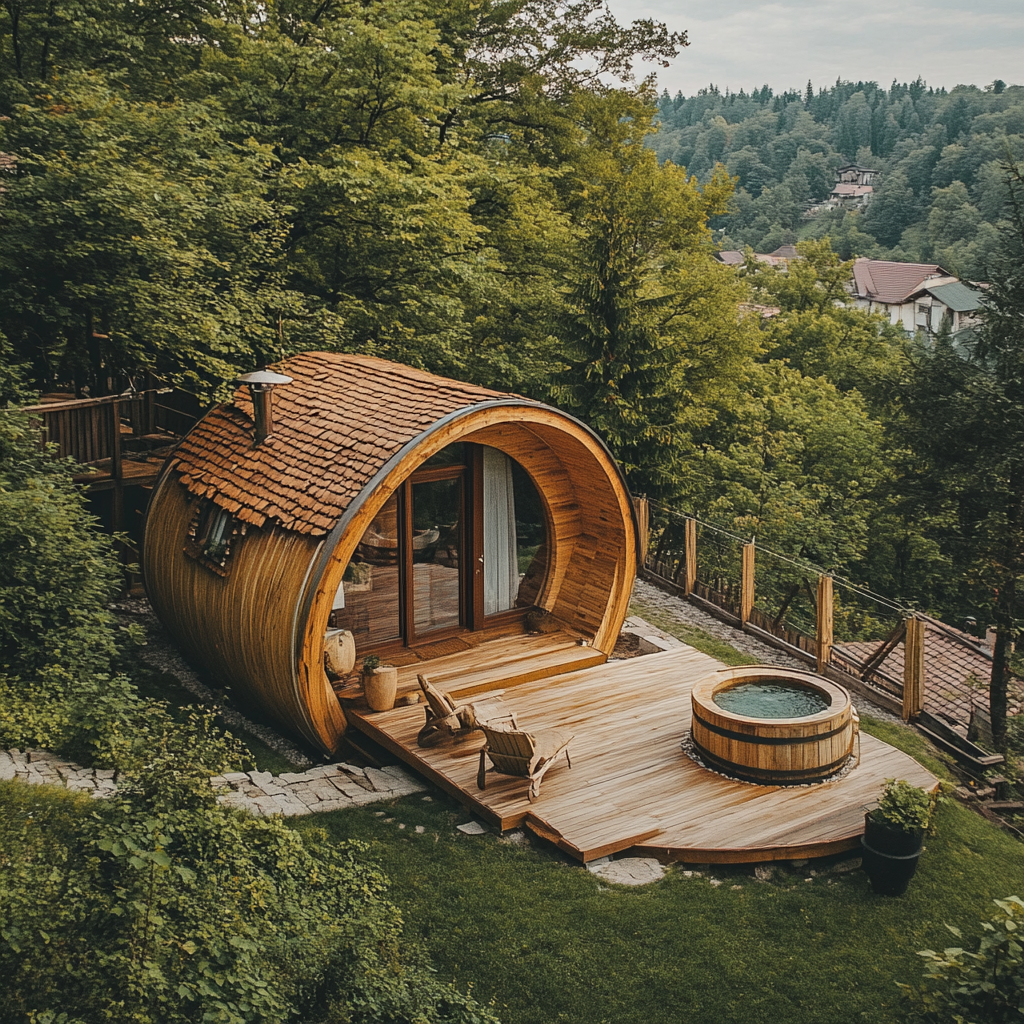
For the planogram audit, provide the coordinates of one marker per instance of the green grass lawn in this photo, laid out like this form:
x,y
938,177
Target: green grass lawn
x,y
910,742
548,942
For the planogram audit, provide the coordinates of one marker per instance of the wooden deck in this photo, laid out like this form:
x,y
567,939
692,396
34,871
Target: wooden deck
x,y
631,786
475,663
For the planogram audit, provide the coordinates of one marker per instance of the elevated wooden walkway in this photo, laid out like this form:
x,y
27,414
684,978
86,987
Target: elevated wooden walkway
x,y
631,786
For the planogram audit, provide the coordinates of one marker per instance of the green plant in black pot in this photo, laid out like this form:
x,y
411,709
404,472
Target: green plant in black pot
x,y
894,836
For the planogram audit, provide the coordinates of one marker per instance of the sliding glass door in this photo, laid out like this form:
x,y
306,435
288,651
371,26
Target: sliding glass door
x,y
461,545
435,565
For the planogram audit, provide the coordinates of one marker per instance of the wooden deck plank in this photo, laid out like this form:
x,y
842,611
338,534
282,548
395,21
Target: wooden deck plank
x,y
631,785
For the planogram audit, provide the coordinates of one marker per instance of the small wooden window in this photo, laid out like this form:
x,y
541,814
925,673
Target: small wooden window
x,y
211,536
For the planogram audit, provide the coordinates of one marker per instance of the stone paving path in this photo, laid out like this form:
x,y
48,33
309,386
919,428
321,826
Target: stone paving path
x,y
40,766
329,787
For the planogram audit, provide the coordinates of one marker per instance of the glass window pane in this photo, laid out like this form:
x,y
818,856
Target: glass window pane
x,y
436,554
367,601
452,455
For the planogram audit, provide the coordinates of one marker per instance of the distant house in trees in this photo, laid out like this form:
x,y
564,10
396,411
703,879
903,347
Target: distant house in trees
x,y
854,187
916,295
852,197
779,258
854,174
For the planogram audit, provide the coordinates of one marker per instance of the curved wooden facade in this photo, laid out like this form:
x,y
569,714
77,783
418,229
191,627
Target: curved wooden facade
x,y
349,431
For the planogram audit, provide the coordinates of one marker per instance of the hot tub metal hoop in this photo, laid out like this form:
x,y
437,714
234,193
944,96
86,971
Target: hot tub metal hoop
x,y
775,775
770,740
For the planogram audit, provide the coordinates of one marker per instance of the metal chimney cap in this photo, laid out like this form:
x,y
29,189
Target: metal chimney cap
x,y
263,379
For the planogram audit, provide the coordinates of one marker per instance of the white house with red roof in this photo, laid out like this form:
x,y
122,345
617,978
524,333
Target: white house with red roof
x,y
854,187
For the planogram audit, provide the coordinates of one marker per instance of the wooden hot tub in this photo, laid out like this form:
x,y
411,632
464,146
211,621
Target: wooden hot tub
x,y
774,751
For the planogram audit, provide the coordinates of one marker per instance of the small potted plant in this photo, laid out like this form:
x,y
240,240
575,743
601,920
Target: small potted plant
x,y
894,836
380,683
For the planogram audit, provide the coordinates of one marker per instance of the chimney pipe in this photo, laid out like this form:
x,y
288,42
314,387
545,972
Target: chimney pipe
x,y
261,384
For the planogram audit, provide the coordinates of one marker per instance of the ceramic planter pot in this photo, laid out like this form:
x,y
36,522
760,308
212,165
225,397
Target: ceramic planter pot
x,y
890,856
381,687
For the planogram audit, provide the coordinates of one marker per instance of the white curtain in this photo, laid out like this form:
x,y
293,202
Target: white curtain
x,y
501,563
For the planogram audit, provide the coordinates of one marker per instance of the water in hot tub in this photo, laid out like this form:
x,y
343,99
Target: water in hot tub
x,y
771,700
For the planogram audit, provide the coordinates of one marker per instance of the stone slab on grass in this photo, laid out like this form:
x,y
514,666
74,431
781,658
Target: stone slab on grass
x,y
628,870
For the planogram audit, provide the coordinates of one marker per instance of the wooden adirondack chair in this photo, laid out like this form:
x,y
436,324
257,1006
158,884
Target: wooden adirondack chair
x,y
526,755
447,719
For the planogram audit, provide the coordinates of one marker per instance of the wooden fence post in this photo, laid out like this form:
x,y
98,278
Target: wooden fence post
x,y
116,469
823,633
747,583
913,669
690,554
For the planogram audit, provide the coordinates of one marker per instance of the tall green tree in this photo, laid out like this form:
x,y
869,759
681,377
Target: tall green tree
x,y
965,406
137,236
817,329
652,322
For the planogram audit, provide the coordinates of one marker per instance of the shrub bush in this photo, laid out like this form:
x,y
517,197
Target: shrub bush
x,y
58,638
57,572
163,906
985,986
904,806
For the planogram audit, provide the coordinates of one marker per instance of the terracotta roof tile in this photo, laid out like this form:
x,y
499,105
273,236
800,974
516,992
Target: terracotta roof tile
x,y
844,188
339,421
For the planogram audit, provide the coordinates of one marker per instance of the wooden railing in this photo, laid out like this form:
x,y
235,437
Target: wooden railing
x,y
672,562
87,430
91,430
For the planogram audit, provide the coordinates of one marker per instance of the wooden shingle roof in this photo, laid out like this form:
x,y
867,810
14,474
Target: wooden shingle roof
x,y
335,426
957,669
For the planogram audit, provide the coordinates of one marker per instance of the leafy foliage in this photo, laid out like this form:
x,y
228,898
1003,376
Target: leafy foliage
x,y
162,905
985,985
57,575
904,806
197,190
652,325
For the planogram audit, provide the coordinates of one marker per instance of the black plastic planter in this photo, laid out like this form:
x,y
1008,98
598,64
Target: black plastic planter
x,y
890,856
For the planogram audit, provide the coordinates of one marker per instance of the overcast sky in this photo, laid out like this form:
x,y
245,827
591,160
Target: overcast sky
x,y
748,43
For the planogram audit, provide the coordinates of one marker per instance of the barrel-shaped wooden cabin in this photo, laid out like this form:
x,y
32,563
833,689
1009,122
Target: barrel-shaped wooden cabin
x,y
410,509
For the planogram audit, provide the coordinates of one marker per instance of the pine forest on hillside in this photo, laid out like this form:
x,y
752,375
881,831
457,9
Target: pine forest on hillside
x,y
940,194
